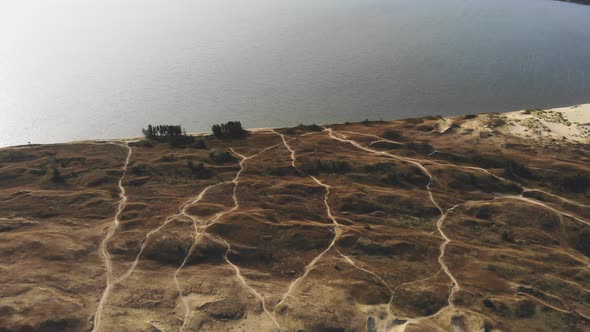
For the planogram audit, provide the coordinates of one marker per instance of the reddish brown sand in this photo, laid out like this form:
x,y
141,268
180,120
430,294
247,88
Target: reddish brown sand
x,y
376,226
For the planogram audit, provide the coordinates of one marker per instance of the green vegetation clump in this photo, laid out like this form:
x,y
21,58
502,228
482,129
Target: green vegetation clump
x,y
311,127
160,131
506,270
432,117
468,181
168,158
582,242
56,176
414,120
198,171
172,134
577,183
387,173
498,122
393,135
279,171
317,166
422,302
514,169
302,127
529,111
229,130
12,156
141,170
144,143
422,147
221,157
525,308
368,122
198,144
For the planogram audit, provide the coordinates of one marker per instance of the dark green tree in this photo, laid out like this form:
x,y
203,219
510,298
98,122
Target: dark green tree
x,y
231,129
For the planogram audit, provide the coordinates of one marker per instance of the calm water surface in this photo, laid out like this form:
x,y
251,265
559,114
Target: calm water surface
x,y
101,69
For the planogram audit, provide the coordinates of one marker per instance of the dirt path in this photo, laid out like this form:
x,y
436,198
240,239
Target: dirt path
x,y
201,231
440,222
455,287
539,203
103,245
337,228
245,283
196,236
309,267
563,199
182,213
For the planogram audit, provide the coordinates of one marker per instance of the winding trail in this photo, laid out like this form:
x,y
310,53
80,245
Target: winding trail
x,y
441,258
337,232
245,283
103,245
443,214
190,251
563,199
337,228
234,208
536,202
201,226
182,213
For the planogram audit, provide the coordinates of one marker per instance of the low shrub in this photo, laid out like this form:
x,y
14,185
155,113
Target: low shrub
x,y
393,135
198,144
318,166
144,143
311,127
222,157
198,171
167,158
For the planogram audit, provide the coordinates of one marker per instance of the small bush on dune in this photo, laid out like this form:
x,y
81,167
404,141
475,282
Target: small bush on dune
x,y
168,158
387,173
393,135
199,144
582,242
318,166
574,183
198,171
142,144
222,157
419,147
12,156
432,117
514,169
56,176
413,120
311,127
141,170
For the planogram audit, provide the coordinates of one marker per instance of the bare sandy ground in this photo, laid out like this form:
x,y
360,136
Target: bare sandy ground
x,y
565,123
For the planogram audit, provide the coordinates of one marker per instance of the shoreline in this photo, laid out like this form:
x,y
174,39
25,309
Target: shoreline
x,y
539,127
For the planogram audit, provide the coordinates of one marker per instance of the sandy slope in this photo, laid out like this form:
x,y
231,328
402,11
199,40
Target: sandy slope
x,y
566,123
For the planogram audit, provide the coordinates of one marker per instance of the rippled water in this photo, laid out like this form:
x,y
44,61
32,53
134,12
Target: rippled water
x,y
79,69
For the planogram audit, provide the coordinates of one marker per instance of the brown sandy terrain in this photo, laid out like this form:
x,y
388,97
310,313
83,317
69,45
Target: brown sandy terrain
x,y
423,224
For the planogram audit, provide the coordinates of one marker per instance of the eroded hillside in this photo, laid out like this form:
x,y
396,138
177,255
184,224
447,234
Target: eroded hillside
x,y
413,225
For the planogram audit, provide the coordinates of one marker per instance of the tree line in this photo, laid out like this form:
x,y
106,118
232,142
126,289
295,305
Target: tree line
x,y
231,129
176,136
161,131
